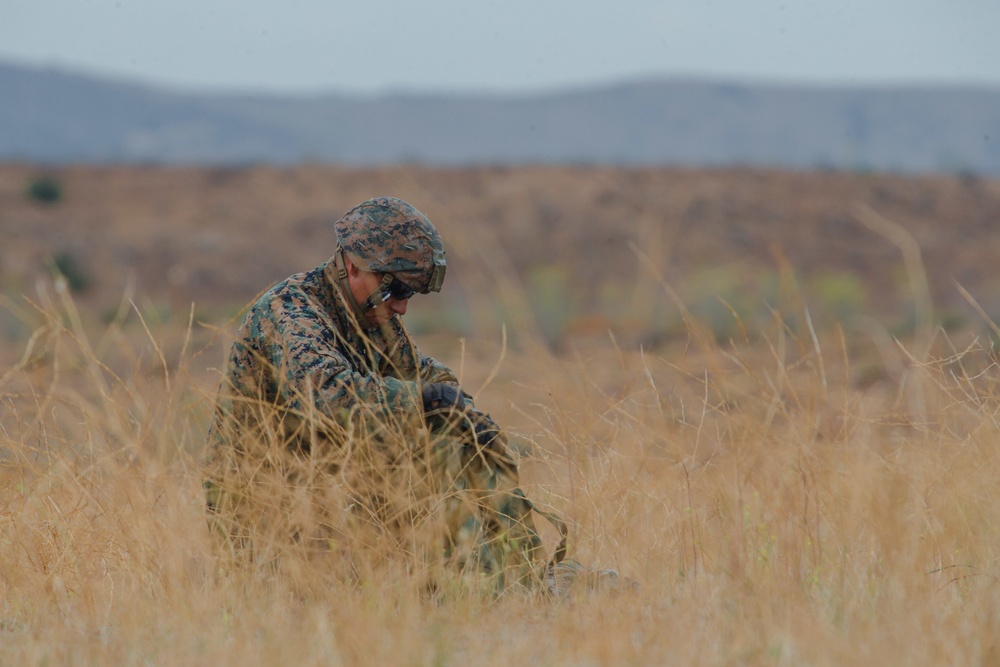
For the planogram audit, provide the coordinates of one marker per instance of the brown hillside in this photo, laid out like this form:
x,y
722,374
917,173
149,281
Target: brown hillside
x,y
571,235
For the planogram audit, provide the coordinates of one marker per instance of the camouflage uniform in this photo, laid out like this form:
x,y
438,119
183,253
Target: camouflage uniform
x,y
320,423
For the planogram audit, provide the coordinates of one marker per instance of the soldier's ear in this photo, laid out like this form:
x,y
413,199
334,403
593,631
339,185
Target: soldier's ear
x,y
352,269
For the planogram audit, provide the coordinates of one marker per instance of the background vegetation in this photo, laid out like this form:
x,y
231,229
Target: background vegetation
x,y
794,473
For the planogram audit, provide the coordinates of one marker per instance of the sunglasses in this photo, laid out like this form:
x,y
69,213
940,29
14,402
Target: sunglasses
x,y
396,289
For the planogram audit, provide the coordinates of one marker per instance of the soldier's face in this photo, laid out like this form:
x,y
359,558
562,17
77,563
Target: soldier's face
x,y
364,283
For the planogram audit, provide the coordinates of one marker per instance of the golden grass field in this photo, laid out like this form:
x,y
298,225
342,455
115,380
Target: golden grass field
x,y
791,486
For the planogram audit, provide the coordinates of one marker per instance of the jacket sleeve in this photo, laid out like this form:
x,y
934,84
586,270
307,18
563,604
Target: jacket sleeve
x,y
299,344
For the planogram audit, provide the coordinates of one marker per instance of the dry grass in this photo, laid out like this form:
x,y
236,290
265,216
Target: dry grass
x,y
775,509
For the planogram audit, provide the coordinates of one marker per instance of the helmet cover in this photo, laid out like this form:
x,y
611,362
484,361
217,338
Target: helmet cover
x,y
388,235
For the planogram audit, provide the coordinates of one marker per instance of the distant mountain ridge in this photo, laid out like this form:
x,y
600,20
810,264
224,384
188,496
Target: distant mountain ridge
x,y
54,116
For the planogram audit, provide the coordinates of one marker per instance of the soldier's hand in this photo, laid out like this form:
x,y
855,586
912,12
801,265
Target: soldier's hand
x,y
442,396
485,428
491,444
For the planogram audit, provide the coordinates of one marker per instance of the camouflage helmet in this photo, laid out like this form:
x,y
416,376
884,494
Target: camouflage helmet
x,y
388,235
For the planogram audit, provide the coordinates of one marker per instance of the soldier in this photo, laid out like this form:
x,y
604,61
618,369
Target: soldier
x,y
330,421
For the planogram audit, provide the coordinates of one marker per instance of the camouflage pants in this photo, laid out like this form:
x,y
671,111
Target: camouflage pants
x,y
451,505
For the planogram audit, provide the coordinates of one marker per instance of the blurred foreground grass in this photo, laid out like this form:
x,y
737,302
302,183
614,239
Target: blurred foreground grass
x,y
785,496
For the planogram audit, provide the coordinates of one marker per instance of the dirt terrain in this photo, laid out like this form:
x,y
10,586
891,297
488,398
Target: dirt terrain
x,y
590,247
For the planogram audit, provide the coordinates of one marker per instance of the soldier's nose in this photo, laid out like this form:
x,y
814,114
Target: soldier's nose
x,y
397,306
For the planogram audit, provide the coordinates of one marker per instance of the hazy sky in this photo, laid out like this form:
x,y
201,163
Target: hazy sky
x,y
515,45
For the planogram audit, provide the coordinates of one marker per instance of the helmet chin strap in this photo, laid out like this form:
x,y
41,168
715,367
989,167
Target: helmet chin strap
x,y
374,299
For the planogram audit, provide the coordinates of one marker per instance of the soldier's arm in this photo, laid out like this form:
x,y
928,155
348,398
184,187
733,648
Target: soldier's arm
x,y
315,375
